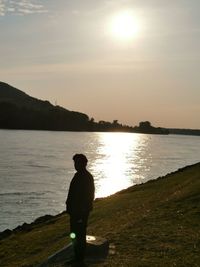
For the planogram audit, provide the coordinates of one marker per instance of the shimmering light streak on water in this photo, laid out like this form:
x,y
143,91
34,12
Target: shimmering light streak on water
x,y
116,153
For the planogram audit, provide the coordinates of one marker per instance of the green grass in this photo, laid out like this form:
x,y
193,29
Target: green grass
x,y
154,224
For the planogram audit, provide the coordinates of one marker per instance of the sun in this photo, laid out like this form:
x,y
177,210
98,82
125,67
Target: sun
x,y
124,25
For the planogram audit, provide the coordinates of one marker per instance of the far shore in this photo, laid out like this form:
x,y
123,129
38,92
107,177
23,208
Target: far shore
x,y
172,131
151,224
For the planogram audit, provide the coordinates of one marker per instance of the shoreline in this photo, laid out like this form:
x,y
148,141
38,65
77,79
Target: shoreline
x,y
47,218
151,224
172,131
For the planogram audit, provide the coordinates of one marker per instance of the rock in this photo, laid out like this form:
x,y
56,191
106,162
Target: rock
x,y
97,248
43,219
96,251
5,234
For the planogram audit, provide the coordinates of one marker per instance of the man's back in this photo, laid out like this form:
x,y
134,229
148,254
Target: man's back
x,y
81,193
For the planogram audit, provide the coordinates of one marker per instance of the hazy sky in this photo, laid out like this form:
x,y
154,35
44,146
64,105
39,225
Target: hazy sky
x,y
66,52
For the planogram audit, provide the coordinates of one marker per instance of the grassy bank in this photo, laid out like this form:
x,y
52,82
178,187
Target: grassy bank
x,y
154,224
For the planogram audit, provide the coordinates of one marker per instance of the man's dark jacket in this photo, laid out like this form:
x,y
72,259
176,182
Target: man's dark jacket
x,y
81,194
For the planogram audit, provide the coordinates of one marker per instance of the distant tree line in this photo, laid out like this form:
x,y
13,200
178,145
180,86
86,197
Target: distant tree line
x,y
146,127
184,131
56,118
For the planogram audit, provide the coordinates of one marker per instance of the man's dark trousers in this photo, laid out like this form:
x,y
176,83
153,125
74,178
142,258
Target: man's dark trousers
x,y
78,226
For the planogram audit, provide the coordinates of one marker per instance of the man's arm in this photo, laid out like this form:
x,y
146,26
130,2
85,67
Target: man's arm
x,y
69,199
91,191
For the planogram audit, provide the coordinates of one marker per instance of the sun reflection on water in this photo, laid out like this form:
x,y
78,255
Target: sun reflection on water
x,y
114,162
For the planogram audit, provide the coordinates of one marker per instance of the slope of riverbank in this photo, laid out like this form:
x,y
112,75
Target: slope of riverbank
x,y
153,224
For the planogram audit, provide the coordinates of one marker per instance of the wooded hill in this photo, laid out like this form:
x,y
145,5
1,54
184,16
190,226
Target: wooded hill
x,y
21,111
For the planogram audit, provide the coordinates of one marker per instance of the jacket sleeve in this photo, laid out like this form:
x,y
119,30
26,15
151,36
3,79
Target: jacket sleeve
x,y
69,198
90,195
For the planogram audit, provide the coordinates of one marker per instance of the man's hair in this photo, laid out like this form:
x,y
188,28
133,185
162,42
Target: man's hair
x,y
80,157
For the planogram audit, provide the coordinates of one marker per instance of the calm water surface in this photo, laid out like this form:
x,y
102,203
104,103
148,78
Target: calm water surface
x,y
36,166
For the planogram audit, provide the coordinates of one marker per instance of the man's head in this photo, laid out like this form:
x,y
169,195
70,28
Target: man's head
x,y
80,162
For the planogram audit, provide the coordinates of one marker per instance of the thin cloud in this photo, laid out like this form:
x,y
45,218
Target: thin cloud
x,y
22,7
2,8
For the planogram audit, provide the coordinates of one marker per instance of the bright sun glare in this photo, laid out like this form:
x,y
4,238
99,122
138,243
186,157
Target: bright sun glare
x,y
124,25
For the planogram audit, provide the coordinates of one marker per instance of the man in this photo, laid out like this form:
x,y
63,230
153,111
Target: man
x,y
79,203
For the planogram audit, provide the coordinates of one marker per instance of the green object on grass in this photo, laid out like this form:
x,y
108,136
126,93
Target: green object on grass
x,y
72,235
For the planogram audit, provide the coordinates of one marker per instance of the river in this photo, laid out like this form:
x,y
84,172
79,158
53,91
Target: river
x,y
36,166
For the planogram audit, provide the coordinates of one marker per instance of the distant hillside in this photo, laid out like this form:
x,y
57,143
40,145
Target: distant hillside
x,y
9,94
21,111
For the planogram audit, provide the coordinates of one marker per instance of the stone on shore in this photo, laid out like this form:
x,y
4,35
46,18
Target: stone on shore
x,y
96,251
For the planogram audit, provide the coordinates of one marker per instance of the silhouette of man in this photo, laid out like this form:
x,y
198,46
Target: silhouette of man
x,y
79,203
